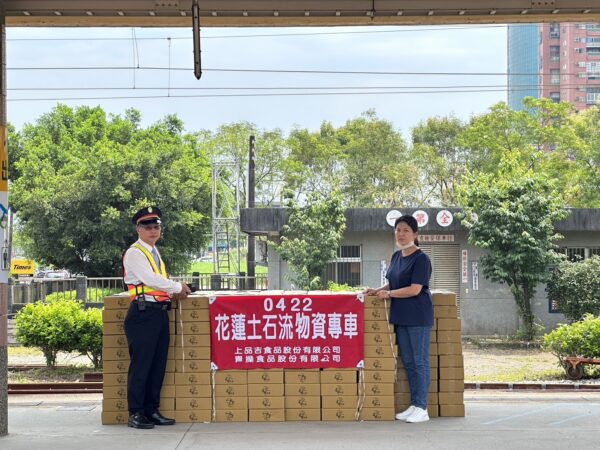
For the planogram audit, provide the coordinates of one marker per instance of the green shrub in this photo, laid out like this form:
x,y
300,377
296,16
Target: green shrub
x,y
90,336
580,338
575,288
51,326
334,287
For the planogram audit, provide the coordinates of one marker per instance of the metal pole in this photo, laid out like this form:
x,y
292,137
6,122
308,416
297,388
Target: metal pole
x,y
251,257
196,38
4,218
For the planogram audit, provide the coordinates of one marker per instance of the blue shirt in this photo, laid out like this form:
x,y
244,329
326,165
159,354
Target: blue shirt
x,y
414,311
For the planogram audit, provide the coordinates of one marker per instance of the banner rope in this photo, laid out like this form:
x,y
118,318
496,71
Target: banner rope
x,y
362,392
392,336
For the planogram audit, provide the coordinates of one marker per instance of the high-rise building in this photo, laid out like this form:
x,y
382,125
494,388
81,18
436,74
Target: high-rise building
x,y
566,57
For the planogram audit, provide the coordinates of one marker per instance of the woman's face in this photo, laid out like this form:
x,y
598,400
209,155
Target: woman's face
x,y
404,234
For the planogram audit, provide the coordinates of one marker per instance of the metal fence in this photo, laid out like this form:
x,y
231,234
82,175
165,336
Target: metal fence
x,y
93,290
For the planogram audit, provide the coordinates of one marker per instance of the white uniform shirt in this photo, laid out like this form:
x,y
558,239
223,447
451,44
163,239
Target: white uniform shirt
x,y
138,270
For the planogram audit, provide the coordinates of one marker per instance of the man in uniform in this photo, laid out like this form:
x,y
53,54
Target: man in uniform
x,y
147,321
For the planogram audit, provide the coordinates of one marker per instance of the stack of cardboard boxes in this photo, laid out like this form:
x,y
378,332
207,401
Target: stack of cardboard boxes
x,y
231,396
302,395
192,378
339,394
266,400
451,384
377,391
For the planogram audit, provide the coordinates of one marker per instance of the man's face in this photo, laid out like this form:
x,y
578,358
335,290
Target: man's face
x,y
150,233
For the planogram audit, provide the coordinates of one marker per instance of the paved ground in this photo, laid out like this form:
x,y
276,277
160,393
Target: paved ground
x,y
495,420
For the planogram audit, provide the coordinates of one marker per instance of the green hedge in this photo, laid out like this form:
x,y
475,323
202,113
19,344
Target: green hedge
x,y
92,295
580,338
61,325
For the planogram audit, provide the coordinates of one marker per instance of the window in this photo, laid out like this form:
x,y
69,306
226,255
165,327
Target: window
x,y
555,96
555,53
555,76
554,31
347,266
593,95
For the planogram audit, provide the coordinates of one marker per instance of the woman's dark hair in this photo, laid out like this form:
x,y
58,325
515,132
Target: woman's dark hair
x,y
411,222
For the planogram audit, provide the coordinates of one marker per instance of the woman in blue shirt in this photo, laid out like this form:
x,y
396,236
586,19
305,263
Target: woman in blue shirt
x,y
411,313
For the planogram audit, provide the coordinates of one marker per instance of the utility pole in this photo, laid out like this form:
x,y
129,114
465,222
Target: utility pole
x,y
251,256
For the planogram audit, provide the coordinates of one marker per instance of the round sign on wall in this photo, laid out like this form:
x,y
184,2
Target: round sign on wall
x,y
444,218
422,217
391,217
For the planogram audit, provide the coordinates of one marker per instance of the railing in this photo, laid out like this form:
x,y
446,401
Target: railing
x,y
93,290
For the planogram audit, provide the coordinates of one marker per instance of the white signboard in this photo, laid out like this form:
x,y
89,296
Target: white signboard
x,y
475,275
444,218
422,217
464,266
436,238
383,268
391,217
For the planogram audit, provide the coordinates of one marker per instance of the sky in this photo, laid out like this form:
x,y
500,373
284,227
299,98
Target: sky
x,y
114,54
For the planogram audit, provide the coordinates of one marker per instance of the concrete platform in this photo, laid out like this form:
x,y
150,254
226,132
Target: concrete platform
x,y
495,420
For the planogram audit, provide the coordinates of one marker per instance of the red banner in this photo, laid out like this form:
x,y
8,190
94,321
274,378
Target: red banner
x,y
287,331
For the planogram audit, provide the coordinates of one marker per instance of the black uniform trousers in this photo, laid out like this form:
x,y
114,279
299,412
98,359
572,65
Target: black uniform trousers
x,y
148,339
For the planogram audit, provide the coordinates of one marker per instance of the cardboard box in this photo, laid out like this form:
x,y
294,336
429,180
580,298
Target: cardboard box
x,y
299,415
109,367
191,340
265,376
114,379
381,351
117,302
187,353
193,416
433,336
379,376
231,403
377,401
231,415
192,404
192,365
401,374
377,389
433,410
451,398
444,336
339,376
452,373
115,354
115,418
339,401
114,392
192,315
169,378
339,389
382,338
448,324
111,328
372,301
402,386
433,349
451,385
192,327
193,390
112,404
114,340
342,415
231,377
403,398
265,390
302,376
443,298
299,402
452,410
231,390
378,326
202,378
378,413
445,312
380,364
267,415
376,314
449,348
266,402
114,315
302,390
193,302
168,391
451,361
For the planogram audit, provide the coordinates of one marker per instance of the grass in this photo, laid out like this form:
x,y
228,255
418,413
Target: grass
x,y
46,375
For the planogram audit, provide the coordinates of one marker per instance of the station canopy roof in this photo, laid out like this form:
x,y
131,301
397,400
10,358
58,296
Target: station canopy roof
x,y
273,13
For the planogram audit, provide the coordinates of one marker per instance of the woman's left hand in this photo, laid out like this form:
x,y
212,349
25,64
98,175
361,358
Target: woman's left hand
x,y
383,295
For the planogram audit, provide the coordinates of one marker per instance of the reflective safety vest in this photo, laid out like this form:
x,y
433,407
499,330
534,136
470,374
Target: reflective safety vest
x,y
135,290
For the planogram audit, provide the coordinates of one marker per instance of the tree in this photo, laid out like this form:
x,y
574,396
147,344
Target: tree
x,y
441,159
82,176
575,288
311,237
586,158
510,213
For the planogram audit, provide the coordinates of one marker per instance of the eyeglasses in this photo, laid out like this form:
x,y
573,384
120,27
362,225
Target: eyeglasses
x,y
150,227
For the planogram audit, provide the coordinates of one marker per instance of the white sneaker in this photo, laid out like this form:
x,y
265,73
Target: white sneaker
x,y
418,415
404,414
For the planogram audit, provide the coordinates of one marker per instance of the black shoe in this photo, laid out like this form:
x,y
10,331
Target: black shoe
x,y
138,420
158,419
